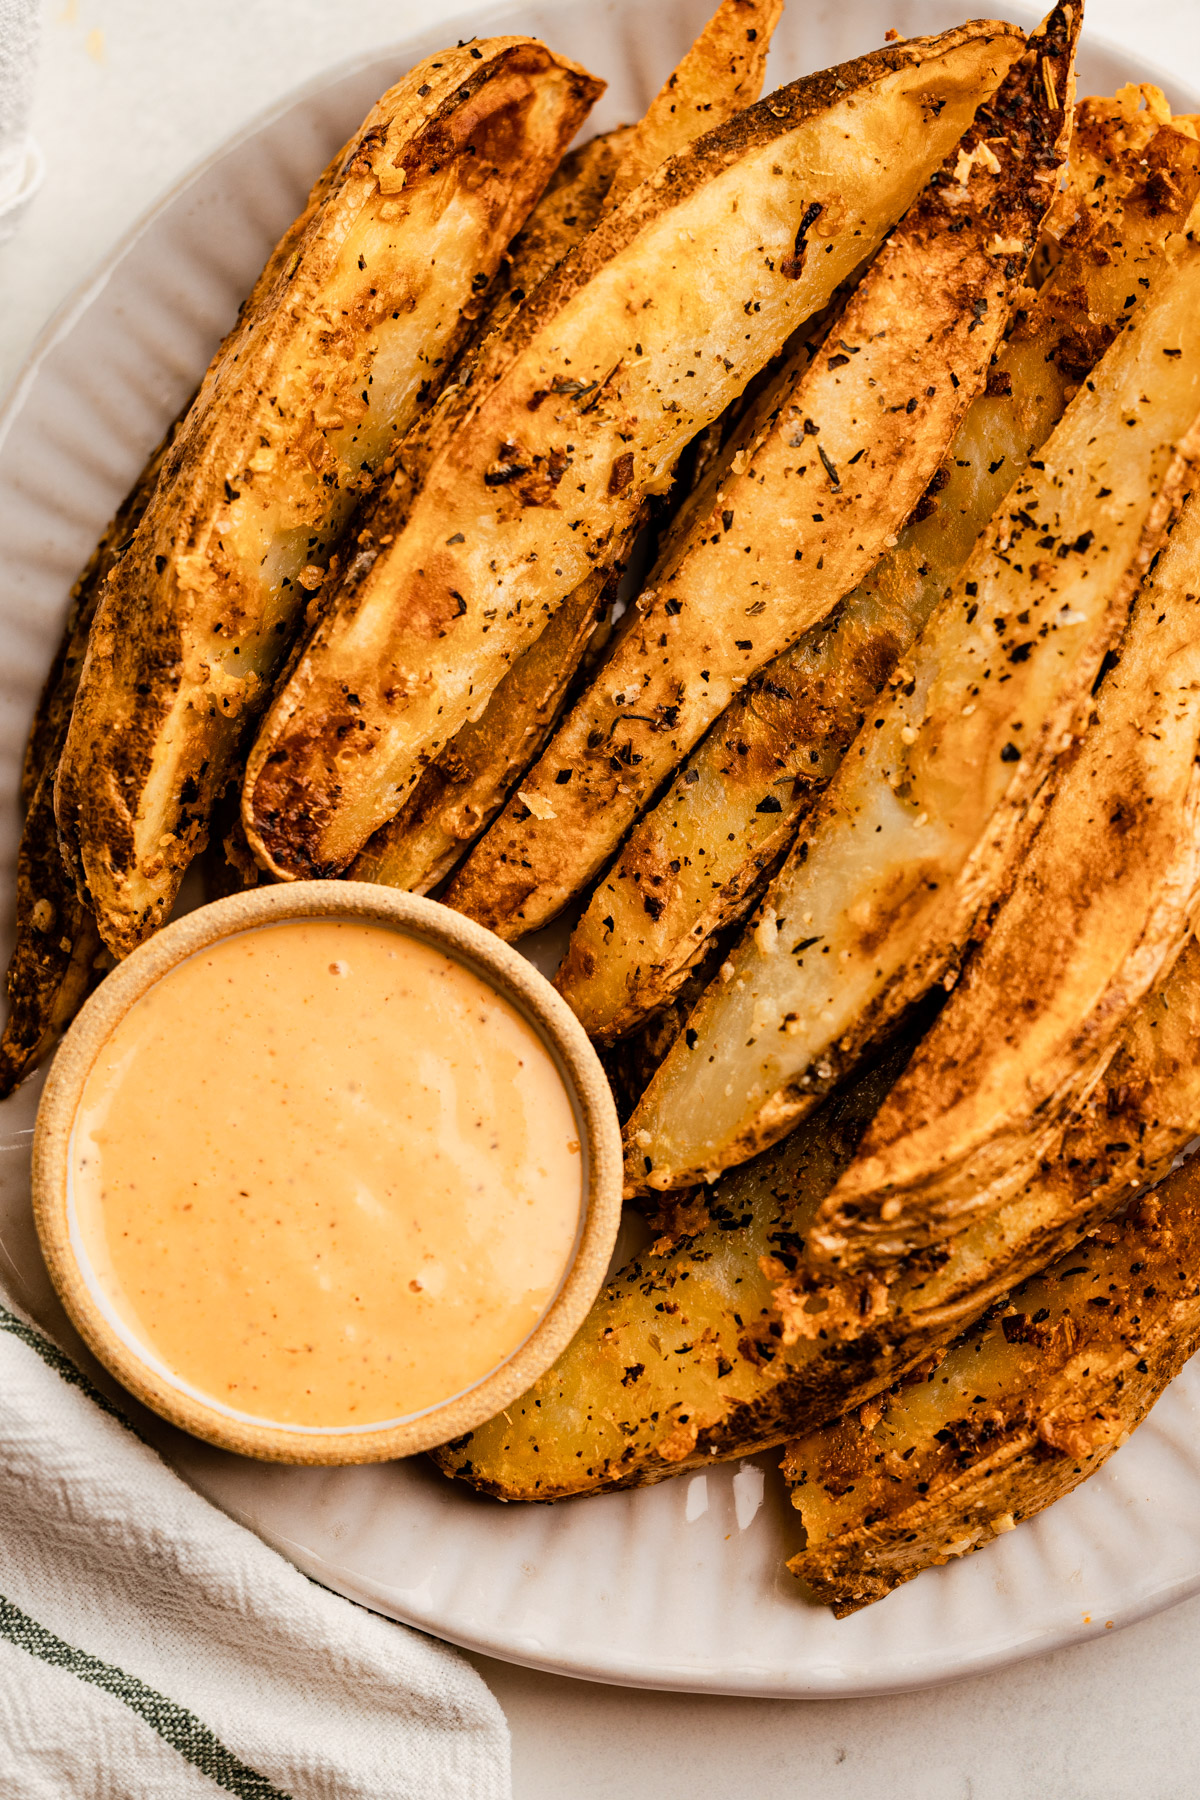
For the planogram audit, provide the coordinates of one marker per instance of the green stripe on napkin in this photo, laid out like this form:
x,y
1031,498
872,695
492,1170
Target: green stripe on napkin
x,y
174,1724
62,1365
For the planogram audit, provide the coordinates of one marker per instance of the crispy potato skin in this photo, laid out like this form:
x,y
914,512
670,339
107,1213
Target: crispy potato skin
x,y
802,504
720,74
1021,1410
304,401
708,1346
950,775
53,712
422,627
1100,906
53,961
696,863
56,943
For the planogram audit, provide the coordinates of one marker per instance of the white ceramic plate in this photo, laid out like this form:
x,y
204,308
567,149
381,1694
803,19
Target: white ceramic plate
x,y
679,1586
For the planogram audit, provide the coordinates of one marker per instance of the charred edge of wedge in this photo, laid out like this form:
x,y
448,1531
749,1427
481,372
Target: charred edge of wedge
x,y
53,963
227,864
1034,1401
53,713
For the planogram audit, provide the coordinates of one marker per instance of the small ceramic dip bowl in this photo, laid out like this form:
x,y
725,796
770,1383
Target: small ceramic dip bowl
x,y
329,1194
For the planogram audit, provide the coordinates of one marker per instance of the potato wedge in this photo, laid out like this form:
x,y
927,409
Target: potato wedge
x,y
53,963
729,1339
1100,906
304,401
696,863
591,387
56,941
921,828
53,712
801,505
460,794
57,948
722,73
1138,1110
1022,1409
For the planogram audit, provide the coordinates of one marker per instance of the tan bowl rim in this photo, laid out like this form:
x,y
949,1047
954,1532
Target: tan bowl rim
x,y
514,977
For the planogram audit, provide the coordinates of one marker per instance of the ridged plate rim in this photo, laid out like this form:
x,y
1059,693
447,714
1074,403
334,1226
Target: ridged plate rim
x,y
673,1587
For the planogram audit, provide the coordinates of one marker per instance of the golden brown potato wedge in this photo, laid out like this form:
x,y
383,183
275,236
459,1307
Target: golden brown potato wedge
x,y
459,794
727,1338
305,400
1021,1410
696,863
923,824
721,74
577,410
798,509
53,713
1100,905
56,943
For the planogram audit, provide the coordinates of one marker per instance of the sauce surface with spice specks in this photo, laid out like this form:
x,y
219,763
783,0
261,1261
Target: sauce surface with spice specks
x,y
327,1174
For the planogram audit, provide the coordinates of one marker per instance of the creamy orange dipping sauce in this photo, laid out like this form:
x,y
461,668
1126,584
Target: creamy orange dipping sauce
x,y
327,1174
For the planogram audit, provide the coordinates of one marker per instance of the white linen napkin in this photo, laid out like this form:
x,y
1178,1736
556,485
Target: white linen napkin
x,y
21,165
152,1649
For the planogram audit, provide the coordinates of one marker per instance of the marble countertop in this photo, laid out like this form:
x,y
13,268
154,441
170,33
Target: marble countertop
x,y
131,93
